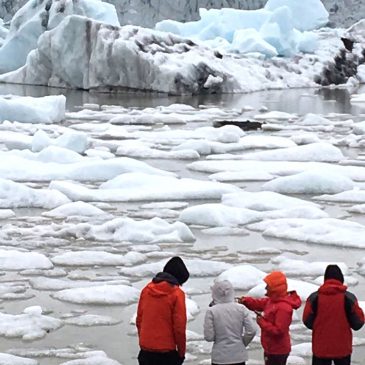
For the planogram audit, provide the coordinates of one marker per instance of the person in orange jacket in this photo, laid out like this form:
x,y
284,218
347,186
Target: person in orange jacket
x,y
274,316
161,317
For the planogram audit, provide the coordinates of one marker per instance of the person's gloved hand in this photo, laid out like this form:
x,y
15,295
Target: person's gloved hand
x,y
181,359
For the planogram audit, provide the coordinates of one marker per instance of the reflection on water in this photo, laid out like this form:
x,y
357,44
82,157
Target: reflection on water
x,y
299,101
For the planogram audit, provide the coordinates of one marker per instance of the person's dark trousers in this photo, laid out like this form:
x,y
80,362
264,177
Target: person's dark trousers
x,y
338,361
159,358
275,359
241,363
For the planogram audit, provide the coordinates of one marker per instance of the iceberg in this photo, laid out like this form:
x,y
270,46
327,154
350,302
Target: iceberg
x,y
36,17
277,29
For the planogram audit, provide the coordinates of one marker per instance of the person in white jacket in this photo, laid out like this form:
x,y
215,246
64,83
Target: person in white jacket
x,y
229,325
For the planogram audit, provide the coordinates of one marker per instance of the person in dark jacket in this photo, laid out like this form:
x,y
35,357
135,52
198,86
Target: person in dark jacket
x,y
161,317
331,312
274,316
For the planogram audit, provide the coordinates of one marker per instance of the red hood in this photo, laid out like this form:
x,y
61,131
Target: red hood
x,y
332,286
160,289
292,298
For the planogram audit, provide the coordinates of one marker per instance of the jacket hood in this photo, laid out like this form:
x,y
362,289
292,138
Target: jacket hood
x,y
332,286
165,276
276,283
176,267
222,292
292,298
159,287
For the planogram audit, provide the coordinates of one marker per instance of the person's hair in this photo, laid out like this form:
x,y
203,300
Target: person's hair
x,y
176,267
333,272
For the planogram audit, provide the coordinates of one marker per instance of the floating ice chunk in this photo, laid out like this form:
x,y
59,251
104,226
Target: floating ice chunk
x,y
75,209
311,152
92,358
89,258
264,201
296,267
47,109
305,138
74,141
7,359
196,267
137,149
17,195
307,15
192,309
326,231
103,294
308,212
146,231
20,168
241,176
141,186
281,168
269,142
89,320
14,140
243,277
28,326
310,182
42,283
6,213
311,119
358,98
359,128
351,196
275,115
18,260
218,215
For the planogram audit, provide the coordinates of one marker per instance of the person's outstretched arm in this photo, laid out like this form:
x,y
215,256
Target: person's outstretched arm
x,y
254,304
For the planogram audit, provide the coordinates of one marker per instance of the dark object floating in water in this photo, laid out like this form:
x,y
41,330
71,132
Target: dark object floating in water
x,y
245,125
348,43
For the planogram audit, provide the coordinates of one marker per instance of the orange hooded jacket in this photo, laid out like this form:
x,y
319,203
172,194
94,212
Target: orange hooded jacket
x,y
161,317
277,310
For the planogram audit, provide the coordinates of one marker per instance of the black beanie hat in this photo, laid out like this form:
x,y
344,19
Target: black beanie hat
x,y
176,267
333,272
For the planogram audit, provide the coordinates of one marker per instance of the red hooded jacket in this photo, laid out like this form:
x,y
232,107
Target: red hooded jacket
x,y
161,317
276,318
331,312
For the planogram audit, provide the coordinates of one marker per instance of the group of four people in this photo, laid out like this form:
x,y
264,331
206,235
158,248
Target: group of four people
x,y
331,313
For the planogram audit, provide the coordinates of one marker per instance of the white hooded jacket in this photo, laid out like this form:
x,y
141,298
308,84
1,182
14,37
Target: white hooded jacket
x,y
229,325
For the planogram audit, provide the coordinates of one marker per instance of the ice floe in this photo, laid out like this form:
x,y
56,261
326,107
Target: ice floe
x,y
30,325
21,260
103,294
144,187
48,109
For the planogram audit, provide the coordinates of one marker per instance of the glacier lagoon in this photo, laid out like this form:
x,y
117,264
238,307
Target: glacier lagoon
x,y
117,336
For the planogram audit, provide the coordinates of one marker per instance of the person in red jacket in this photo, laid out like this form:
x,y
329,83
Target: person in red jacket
x,y
161,317
331,312
274,316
